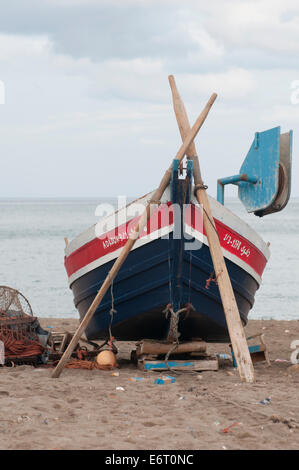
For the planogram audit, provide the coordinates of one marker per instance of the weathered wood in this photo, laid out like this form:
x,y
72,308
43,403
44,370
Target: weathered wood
x,y
263,345
65,341
230,307
203,364
152,205
155,347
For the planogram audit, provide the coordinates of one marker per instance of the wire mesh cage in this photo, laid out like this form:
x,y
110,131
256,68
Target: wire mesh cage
x,y
13,303
18,325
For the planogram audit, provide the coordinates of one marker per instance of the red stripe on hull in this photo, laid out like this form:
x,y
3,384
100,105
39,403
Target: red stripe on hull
x,y
162,217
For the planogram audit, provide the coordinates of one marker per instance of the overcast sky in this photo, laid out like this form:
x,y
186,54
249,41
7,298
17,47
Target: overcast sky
x,y
88,109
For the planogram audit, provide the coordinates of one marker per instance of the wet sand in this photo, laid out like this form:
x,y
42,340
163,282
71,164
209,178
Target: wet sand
x,y
84,410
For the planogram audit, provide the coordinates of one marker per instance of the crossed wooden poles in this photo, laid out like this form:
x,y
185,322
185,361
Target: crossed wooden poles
x,y
234,324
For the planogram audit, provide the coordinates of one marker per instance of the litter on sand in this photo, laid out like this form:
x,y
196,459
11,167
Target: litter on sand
x,y
267,401
164,380
228,428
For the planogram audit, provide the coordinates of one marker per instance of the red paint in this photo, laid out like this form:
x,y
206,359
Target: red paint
x,y
115,239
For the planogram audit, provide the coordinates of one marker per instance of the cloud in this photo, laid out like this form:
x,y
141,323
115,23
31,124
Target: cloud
x,y
260,24
283,113
233,84
87,93
2,92
20,45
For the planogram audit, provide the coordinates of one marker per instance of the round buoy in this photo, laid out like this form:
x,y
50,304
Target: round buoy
x,y
106,358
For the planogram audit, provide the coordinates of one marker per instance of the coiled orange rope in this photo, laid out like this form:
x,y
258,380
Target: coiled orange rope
x,y
20,347
89,365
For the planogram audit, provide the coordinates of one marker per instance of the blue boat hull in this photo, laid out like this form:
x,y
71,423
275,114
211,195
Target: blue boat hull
x,y
142,290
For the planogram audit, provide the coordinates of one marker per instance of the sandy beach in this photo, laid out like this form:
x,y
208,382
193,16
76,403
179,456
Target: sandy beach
x,y
84,410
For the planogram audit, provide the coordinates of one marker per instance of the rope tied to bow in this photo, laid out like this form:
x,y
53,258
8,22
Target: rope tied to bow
x,y
212,279
174,333
200,186
112,311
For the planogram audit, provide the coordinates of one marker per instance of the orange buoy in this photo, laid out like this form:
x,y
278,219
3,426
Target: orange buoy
x,y
106,358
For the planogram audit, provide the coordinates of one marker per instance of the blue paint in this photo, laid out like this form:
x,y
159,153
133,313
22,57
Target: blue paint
x,y
141,292
190,177
262,162
252,349
235,179
159,273
176,242
164,380
171,364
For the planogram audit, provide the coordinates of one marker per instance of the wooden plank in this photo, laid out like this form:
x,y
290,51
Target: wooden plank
x,y
265,349
204,364
152,205
155,347
65,340
230,307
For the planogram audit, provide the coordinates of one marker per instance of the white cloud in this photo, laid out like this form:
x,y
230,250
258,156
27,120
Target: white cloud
x,y
208,45
86,85
20,45
288,114
261,24
2,92
232,84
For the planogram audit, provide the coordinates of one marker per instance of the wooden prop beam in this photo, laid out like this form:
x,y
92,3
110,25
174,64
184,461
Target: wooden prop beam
x,y
158,348
233,320
151,206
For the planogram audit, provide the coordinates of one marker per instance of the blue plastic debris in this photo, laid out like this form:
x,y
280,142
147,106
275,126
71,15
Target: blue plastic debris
x,y
267,401
224,356
164,380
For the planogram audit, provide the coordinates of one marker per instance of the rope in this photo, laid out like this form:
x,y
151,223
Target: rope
x,y
153,201
190,276
111,312
173,329
89,365
212,279
200,186
213,225
208,281
18,348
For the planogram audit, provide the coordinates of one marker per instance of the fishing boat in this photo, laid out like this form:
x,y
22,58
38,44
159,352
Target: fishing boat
x,y
170,268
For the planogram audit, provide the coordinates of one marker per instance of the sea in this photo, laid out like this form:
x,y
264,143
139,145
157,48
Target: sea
x,y
32,233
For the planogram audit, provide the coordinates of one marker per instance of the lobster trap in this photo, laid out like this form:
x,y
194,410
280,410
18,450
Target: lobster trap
x,y
23,339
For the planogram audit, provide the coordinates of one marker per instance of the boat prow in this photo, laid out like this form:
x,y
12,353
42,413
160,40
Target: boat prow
x,y
163,270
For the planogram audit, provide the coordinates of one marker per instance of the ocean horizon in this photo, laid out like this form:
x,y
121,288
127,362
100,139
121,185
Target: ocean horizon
x,y
32,232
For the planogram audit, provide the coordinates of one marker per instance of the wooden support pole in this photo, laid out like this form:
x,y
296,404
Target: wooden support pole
x,y
233,320
152,205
